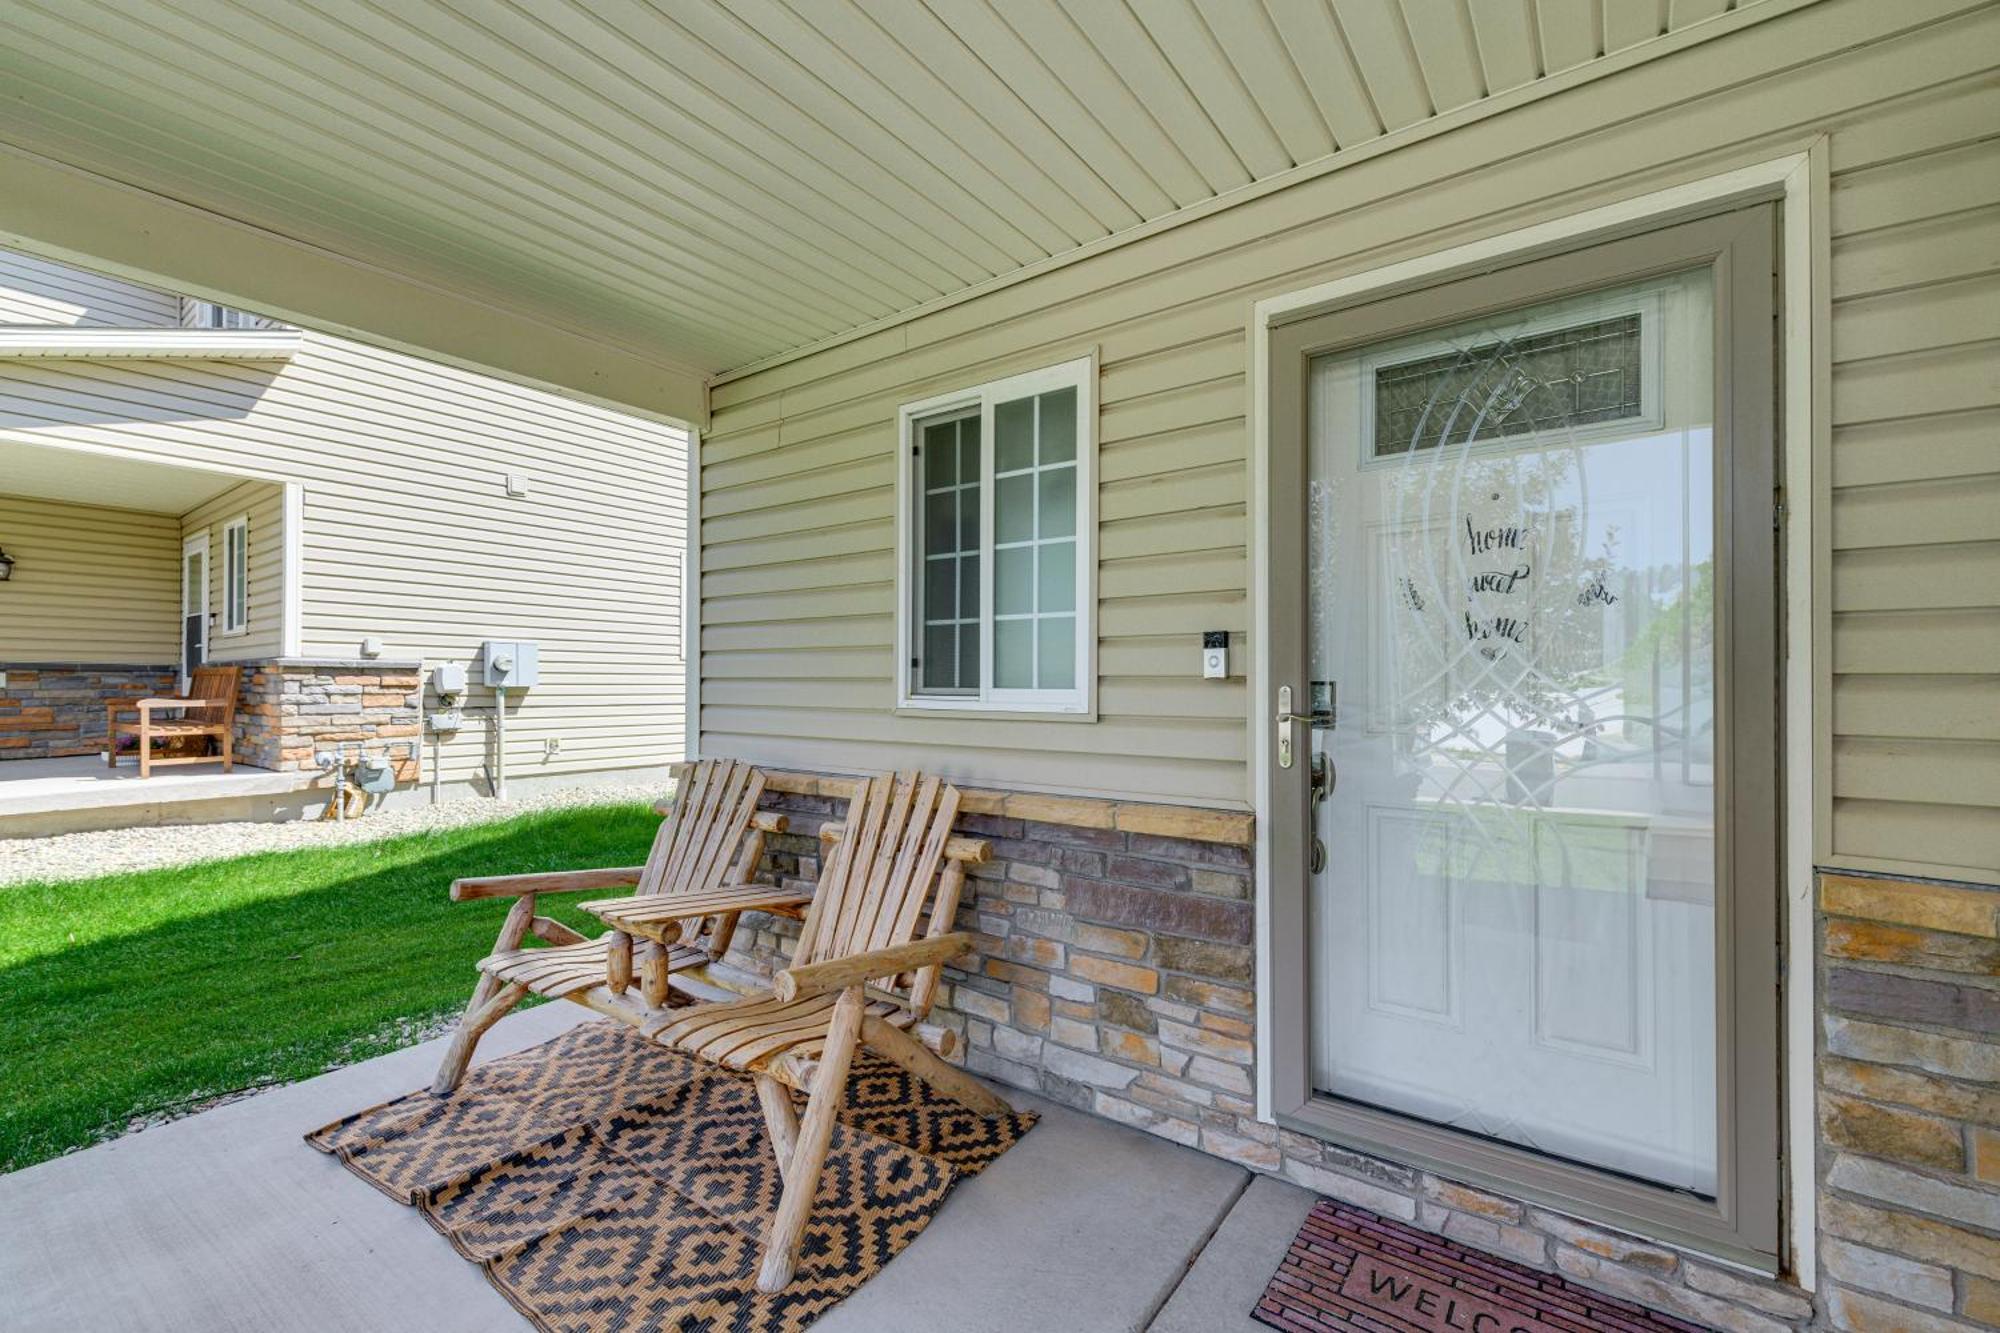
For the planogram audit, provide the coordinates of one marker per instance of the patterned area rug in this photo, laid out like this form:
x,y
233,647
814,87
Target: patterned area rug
x,y
605,1183
1350,1269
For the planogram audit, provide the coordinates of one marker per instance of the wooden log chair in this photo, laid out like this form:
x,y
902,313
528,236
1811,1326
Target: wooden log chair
x,y
864,972
697,873
208,711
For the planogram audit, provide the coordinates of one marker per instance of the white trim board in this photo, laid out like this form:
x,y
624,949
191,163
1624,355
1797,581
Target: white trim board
x,y
149,344
292,571
690,591
1799,180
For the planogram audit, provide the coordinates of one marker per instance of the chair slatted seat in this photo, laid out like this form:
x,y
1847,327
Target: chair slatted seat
x,y
560,970
691,887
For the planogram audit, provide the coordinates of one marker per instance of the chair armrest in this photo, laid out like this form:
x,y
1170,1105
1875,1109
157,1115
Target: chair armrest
x,y
857,969
660,909
547,881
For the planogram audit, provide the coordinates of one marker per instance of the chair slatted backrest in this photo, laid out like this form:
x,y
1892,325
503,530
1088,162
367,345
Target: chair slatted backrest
x,y
212,692
698,846
876,883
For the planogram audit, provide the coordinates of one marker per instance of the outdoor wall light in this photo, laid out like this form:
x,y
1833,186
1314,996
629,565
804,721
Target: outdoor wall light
x,y
6,565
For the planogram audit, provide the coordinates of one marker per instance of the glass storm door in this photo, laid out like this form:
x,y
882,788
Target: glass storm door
x,y
1516,542
194,605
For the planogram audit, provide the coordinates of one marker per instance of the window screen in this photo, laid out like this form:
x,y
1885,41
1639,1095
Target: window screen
x,y
948,589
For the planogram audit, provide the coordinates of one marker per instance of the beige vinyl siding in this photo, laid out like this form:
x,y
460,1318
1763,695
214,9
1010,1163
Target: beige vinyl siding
x,y
408,533
38,291
1916,498
798,495
90,584
263,503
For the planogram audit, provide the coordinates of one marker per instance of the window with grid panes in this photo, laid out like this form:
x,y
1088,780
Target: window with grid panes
x,y
997,555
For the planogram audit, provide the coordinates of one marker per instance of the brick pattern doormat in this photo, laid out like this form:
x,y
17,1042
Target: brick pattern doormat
x,y
1351,1270
607,1184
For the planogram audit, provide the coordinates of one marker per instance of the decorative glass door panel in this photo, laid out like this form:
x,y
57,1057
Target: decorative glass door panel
x,y
1512,555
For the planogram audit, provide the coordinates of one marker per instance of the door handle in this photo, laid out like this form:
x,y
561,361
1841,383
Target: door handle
x,y
1321,788
1286,717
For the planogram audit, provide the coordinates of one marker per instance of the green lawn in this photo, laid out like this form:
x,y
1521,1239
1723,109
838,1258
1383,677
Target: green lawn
x,y
139,993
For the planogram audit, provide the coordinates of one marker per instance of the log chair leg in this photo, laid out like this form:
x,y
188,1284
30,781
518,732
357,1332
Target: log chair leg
x,y
900,1048
459,1054
779,1118
788,1228
724,932
486,1009
618,961
653,974
145,750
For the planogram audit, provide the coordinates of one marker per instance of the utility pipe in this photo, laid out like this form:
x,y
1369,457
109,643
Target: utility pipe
x,y
340,782
500,742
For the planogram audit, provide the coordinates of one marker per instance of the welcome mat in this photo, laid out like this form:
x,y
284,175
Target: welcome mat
x,y
605,1183
1350,1269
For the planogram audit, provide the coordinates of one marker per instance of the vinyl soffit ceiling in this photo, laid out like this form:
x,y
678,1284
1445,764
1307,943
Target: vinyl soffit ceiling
x,y
78,476
712,184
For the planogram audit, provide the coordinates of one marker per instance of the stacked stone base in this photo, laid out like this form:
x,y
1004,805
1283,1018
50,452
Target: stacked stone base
x,y
1909,1104
287,711
1114,973
52,710
291,710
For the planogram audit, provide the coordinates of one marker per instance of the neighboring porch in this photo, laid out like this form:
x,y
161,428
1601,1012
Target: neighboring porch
x,y
125,575
226,1220
73,793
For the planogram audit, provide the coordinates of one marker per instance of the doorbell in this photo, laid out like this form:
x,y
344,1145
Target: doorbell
x,y
1215,654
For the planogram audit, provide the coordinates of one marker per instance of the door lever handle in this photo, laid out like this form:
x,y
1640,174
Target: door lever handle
x,y
1286,717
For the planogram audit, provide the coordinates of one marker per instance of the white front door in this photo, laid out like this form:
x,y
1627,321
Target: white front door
x,y
194,604
1511,593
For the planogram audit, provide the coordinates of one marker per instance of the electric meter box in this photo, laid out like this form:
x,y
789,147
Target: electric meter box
x,y
510,663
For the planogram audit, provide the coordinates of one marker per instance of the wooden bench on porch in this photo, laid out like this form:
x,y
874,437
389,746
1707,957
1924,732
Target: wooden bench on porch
x,y
208,710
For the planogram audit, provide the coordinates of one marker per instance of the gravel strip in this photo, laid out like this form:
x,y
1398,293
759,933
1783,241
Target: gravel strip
x,y
109,851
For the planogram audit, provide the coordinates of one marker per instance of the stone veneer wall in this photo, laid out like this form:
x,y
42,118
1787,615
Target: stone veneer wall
x,y
1114,974
1909,1104
53,709
289,710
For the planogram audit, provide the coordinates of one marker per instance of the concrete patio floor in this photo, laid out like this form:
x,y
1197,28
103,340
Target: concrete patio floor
x,y
227,1221
78,792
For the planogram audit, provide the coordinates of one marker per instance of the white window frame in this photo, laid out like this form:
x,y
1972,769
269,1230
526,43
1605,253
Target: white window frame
x,y
1077,703
235,582
215,315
